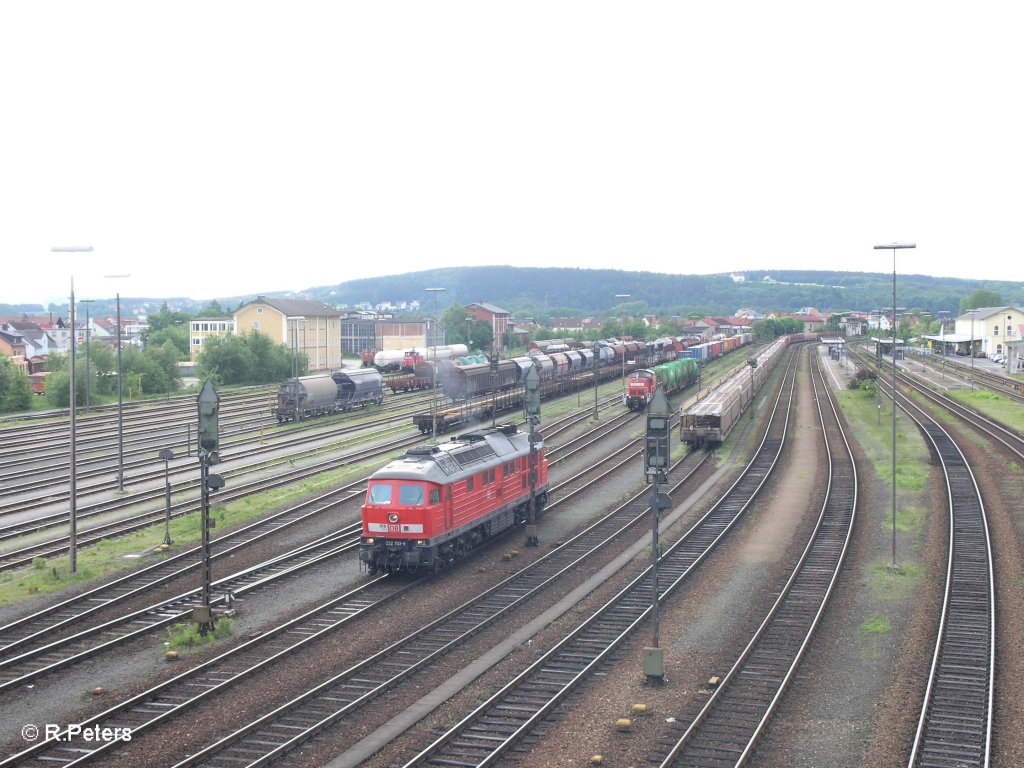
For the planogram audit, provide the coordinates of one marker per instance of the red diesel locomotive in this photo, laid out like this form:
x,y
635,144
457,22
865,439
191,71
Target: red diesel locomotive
x,y
436,503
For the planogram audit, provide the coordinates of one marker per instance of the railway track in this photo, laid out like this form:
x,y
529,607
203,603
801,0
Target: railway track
x,y
301,719
170,699
28,493
491,730
58,546
955,724
727,728
37,634
40,660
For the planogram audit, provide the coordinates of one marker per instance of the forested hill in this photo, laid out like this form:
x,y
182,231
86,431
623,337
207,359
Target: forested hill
x,y
543,292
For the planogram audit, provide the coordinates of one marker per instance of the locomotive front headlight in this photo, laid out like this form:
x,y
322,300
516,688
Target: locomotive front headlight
x,y
370,540
421,542
393,517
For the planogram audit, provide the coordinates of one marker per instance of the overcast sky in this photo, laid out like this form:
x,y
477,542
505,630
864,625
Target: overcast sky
x,y
219,148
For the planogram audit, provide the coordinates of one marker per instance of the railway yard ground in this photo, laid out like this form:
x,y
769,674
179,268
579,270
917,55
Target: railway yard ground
x,y
854,701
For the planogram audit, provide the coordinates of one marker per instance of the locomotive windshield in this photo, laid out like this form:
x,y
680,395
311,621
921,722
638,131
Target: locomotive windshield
x,y
410,495
380,493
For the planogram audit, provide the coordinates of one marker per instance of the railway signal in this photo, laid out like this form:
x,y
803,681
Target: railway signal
x,y
656,456
209,443
656,453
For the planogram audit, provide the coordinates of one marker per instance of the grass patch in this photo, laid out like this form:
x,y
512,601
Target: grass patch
x,y
874,433
188,636
993,405
909,519
899,584
876,625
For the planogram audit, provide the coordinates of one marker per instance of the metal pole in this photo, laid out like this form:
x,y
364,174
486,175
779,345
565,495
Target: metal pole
x,y
894,408
167,498
73,525
72,458
204,464
655,556
167,454
120,403
433,395
895,247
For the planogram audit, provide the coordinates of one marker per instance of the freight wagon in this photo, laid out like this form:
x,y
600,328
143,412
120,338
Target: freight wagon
x,y
358,387
709,422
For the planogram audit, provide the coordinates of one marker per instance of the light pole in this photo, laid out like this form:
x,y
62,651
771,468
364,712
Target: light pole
x,y
167,454
942,334
433,391
120,394
72,509
895,247
972,313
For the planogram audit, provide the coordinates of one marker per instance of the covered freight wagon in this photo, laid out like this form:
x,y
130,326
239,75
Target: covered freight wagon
x,y
356,387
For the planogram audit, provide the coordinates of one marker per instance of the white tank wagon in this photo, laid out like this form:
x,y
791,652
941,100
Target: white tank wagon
x,y
709,421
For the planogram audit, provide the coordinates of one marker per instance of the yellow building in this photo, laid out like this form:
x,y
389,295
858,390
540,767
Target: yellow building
x,y
309,327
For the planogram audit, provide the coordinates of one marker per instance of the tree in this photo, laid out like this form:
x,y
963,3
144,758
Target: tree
x,y
177,335
226,360
213,309
154,368
772,328
272,362
980,298
58,386
250,359
165,318
15,392
456,329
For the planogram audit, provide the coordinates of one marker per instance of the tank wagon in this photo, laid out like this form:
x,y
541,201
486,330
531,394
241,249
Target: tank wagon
x,y
671,376
319,394
709,422
434,505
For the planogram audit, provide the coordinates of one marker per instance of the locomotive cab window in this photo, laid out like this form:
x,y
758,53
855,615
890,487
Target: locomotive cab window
x,y
435,495
380,493
410,495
